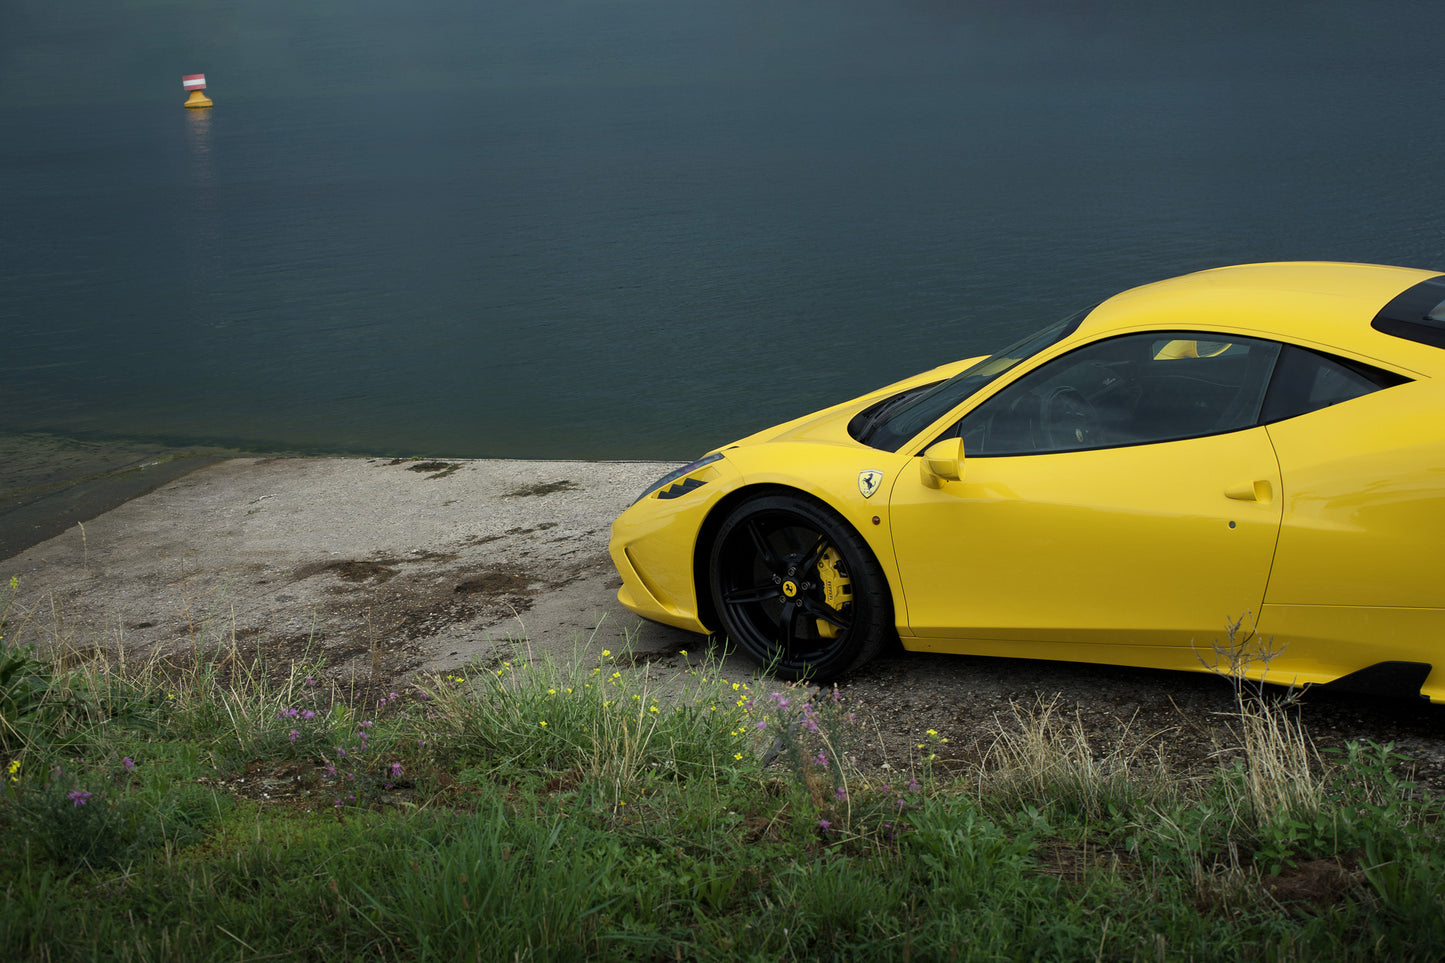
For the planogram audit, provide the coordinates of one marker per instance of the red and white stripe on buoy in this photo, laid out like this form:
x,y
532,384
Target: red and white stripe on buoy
x,y
193,81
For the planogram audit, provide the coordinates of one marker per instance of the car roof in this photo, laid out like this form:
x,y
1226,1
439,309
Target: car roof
x,y
1323,303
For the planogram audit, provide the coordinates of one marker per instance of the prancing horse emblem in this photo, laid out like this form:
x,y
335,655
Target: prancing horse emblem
x,y
868,481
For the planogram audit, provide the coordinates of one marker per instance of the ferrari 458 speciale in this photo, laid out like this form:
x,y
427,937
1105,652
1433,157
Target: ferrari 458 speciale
x,y
1260,445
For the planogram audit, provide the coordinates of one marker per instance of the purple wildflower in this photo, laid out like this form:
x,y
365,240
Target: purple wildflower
x,y
79,797
295,735
396,770
128,764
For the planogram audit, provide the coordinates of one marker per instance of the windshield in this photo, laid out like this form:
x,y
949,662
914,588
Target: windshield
x,y
901,418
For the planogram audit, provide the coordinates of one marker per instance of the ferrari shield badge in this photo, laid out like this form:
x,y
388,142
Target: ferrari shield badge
x,y
868,481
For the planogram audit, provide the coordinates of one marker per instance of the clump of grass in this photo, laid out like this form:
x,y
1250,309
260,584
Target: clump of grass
x,y
1281,772
1044,760
810,735
608,725
109,814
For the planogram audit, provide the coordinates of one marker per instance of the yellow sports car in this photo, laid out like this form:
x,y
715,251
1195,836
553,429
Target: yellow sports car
x,y
1263,442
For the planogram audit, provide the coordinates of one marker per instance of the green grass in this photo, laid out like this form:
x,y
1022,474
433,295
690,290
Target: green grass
x,y
209,811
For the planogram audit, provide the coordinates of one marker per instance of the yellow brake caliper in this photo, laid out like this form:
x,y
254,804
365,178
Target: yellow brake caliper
x,y
837,589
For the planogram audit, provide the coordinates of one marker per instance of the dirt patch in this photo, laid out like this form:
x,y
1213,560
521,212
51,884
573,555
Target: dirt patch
x,y
432,469
549,488
497,583
1317,882
383,619
352,571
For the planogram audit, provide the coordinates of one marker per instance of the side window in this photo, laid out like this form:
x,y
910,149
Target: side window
x,y
1131,390
1306,381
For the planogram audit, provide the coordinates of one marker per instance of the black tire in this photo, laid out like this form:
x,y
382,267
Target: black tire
x,y
775,563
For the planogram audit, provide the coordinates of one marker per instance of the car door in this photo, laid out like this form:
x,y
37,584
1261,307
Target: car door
x,y
1118,494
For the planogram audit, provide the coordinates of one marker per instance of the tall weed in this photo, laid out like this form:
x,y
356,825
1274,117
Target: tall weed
x,y
1044,761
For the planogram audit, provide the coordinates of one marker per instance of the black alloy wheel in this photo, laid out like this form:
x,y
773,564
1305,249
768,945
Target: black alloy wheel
x,y
798,589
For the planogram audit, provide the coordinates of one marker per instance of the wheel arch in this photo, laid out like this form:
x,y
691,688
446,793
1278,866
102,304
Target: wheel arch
x,y
707,535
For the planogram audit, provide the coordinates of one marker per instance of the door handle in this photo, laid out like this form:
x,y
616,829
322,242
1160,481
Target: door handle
x,y
1255,491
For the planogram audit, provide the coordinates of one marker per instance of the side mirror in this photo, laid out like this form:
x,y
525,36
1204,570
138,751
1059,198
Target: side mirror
x,y
942,462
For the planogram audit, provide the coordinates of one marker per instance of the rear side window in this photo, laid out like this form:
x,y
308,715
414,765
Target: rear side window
x,y
1416,314
1306,381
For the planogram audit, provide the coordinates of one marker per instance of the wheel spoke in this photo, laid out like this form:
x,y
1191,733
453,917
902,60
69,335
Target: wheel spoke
x,y
785,625
745,596
760,542
822,610
810,563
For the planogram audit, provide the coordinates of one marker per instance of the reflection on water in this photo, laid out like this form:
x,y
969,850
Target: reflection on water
x,y
198,139
201,230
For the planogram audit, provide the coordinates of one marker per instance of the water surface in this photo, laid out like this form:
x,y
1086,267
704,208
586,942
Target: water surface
x,y
640,228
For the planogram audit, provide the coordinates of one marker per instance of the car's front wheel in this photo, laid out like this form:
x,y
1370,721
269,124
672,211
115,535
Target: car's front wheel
x,y
798,589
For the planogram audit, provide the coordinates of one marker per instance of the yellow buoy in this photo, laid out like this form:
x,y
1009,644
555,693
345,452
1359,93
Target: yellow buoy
x,y
195,83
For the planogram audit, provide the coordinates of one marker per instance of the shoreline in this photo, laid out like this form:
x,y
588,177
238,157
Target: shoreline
x,y
51,481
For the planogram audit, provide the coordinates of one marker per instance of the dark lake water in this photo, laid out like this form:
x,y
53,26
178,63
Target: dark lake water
x,y
640,228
